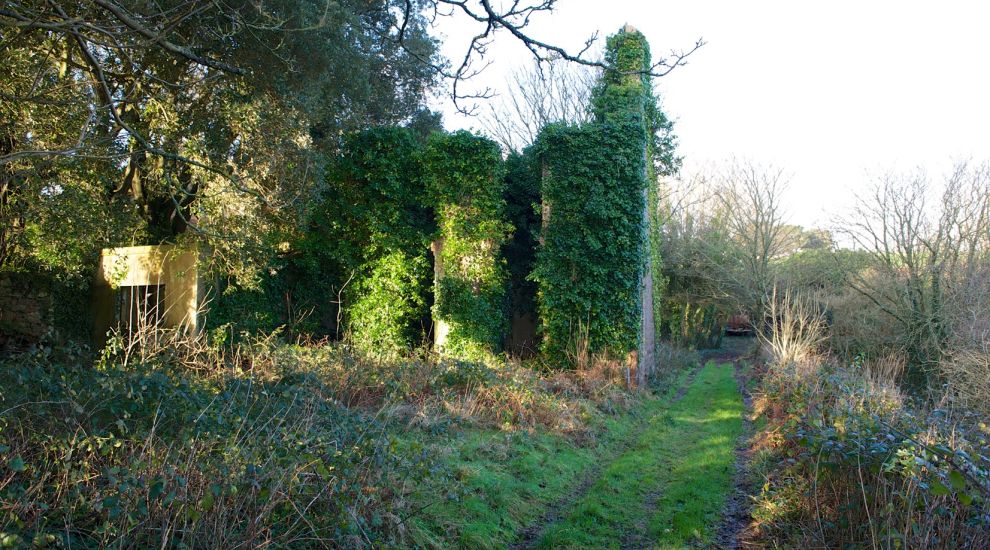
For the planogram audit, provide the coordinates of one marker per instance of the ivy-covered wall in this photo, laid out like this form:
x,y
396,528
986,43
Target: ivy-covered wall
x,y
594,269
380,175
412,227
464,175
363,257
589,265
406,242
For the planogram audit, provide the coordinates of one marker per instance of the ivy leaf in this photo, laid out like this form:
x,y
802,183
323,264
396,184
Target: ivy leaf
x,y
16,464
156,489
206,502
939,489
957,480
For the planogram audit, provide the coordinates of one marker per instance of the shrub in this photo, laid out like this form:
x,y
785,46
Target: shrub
x,y
150,455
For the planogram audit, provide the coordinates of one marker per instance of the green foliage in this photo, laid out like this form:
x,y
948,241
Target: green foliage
x,y
98,457
230,154
598,185
365,245
591,261
624,91
386,225
388,196
464,176
389,302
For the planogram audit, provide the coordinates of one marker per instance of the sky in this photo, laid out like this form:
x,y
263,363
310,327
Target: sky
x,y
833,93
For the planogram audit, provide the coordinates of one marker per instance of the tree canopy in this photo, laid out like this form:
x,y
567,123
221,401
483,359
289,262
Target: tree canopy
x,y
177,115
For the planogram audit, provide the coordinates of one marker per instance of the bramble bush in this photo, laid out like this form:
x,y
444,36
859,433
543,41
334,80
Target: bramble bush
x,y
850,460
154,454
858,466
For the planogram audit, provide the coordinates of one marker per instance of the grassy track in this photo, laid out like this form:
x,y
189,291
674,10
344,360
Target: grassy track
x,y
654,477
667,489
507,481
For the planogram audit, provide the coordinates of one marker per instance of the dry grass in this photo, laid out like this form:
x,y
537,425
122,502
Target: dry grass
x,y
859,327
967,372
795,341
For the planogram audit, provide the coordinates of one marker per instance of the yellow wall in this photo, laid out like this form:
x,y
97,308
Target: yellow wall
x,y
171,265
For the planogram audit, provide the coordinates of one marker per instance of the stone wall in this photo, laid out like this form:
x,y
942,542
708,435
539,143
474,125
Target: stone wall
x,y
25,310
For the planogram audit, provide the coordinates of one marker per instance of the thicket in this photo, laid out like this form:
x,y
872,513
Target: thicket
x,y
850,459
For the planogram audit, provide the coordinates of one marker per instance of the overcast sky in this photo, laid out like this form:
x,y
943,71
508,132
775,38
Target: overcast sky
x,y
830,93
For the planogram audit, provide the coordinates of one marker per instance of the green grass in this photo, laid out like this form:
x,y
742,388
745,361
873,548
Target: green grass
x,y
670,485
507,480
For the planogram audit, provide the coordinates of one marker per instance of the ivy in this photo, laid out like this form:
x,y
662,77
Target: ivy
x,y
598,234
623,93
589,267
384,201
390,304
390,197
362,258
464,176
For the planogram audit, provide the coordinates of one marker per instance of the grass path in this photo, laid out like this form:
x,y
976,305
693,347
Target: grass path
x,y
667,489
655,477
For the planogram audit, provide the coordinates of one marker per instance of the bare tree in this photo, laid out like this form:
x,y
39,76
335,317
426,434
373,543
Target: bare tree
x,y
750,197
512,17
929,243
557,91
722,231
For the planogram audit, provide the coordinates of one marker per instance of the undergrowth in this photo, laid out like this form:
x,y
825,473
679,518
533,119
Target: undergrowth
x,y
847,459
266,444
